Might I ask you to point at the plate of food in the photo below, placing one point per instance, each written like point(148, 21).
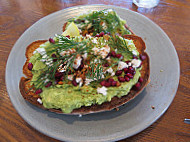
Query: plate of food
point(92, 73)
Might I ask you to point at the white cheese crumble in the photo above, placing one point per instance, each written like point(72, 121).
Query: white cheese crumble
point(108, 59)
point(39, 101)
point(96, 50)
point(110, 70)
point(95, 41)
point(102, 90)
point(136, 63)
point(104, 51)
point(134, 52)
point(42, 51)
point(70, 77)
point(85, 56)
point(79, 80)
point(87, 81)
point(122, 65)
point(77, 62)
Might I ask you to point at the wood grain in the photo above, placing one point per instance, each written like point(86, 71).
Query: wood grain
point(173, 16)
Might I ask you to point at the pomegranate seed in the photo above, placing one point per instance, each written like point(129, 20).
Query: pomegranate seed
point(114, 83)
point(74, 82)
point(68, 36)
point(121, 79)
point(38, 91)
point(109, 54)
point(62, 78)
point(119, 72)
point(127, 62)
point(140, 79)
point(110, 80)
point(106, 65)
point(48, 84)
point(97, 35)
point(137, 86)
point(58, 74)
point(101, 34)
point(131, 68)
point(129, 75)
point(133, 72)
point(51, 40)
point(81, 66)
point(113, 53)
point(126, 78)
point(108, 84)
point(126, 70)
point(142, 57)
point(103, 83)
point(30, 66)
point(54, 56)
point(118, 55)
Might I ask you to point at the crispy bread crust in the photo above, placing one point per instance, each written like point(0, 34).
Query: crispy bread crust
point(114, 103)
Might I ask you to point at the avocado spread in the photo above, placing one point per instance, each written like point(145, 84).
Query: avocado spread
point(74, 71)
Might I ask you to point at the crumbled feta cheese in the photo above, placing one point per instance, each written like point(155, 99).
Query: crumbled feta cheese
point(96, 50)
point(129, 64)
point(95, 40)
point(39, 101)
point(121, 65)
point(104, 51)
point(97, 61)
point(116, 50)
point(63, 53)
point(136, 63)
point(102, 90)
point(110, 70)
point(80, 83)
point(134, 52)
point(87, 81)
point(78, 79)
point(77, 62)
point(70, 77)
point(46, 80)
point(42, 51)
point(88, 36)
point(108, 59)
point(85, 56)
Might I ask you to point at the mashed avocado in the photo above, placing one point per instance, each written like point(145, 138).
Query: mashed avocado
point(68, 97)
point(69, 69)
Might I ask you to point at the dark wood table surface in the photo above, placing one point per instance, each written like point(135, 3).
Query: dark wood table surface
point(173, 16)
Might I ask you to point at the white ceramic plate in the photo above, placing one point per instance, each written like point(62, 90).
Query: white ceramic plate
point(132, 118)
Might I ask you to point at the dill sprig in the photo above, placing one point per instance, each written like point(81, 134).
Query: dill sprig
point(119, 43)
point(61, 44)
point(95, 71)
point(112, 22)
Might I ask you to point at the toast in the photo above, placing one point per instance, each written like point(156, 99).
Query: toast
point(115, 102)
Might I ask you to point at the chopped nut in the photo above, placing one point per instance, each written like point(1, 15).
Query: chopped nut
point(118, 84)
point(60, 82)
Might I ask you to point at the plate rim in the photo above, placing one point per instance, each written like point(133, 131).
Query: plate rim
point(92, 5)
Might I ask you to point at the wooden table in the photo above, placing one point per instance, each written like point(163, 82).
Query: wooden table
point(173, 16)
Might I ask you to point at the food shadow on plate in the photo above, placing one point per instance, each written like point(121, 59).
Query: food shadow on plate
point(70, 119)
